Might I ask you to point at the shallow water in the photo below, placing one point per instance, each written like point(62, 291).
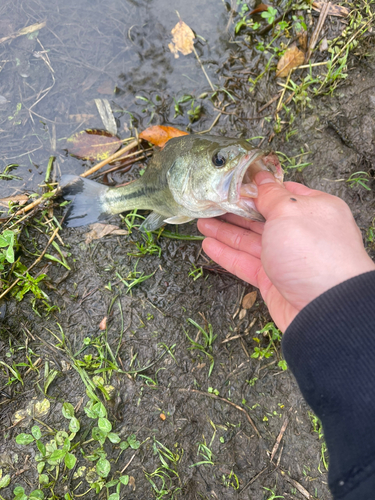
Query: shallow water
point(87, 50)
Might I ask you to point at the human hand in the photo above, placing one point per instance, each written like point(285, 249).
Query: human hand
point(308, 244)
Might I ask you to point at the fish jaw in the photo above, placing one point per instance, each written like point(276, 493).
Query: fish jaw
point(242, 186)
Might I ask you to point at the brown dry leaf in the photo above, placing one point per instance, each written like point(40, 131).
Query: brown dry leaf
point(99, 230)
point(182, 40)
point(261, 8)
point(93, 144)
point(18, 199)
point(159, 135)
point(132, 482)
point(292, 58)
point(106, 87)
point(103, 323)
point(242, 314)
point(249, 300)
point(334, 10)
point(302, 39)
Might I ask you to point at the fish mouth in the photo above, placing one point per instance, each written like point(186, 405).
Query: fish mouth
point(242, 186)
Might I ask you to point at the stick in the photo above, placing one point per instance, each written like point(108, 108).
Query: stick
point(318, 29)
point(279, 438)
point(213, 396)
point(97, 167)
point(204, 71)
point(254, 479)
point(119, 153)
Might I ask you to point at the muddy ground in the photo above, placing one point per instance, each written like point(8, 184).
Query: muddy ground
point(167, 395)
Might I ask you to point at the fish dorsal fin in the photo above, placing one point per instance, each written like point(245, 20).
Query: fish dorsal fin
point(178, 219)
point(153, 222)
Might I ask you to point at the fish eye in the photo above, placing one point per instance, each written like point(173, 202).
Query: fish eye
point(219, 160)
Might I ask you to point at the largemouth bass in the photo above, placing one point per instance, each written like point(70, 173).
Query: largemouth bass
point(193, 176)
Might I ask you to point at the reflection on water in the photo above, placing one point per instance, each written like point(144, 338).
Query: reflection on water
point(89, 49)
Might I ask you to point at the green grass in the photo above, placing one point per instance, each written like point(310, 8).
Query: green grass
point(205, 346)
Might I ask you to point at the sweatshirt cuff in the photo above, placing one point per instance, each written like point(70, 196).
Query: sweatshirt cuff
point(330, 348)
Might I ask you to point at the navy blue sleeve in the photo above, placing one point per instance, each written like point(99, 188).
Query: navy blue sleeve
point(330, 349)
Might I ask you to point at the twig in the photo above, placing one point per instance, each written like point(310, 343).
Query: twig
point(318, 29)
point(269, 103)
point(253, 480)
point(204, 71)
point(212, 126)
point(282, 94)
point(279, 438)
point(213, 396)
point(97, 167)
point(127, 465)
point(296, 484)
point(116, 155)
point(32, 265)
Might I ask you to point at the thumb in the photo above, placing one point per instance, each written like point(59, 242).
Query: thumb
point(271, 193)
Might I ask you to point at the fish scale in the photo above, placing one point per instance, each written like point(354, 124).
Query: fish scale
point(194, 176)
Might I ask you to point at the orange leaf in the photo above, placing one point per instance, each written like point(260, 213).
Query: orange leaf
point(334, 10)
point(93, 144)
point(159, 135)
point(292, 58)
point(261, 8)
point(103, 323)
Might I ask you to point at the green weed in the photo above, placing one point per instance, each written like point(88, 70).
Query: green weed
point(196, 272)
point(230, 480)
point(270, 15)
point(134, 278)
point(163, 479)
point(273, 335)
point(205, 347)
point(273, 493)
point(61, 450)
point(318, 428)
point(359, 179)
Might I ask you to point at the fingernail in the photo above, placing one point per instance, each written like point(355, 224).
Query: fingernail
point(264, 178)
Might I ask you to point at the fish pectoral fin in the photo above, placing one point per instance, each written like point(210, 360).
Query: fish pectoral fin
point(153, 222)
point(178, 219)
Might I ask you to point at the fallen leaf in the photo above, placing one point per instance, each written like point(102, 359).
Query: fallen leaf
point(249, 300)
point(106, 87)
point(18, 199)
point(110, 390)
point(261, 8)
point(302, 39)
point(93, 144)
point(323, 45)
point(292, 58)
point(334, 10)
point(132, 482)
point(159, 135)
point(182, 40)
point(99, 230)
point(103, 323)
point(40, 408)
point(242, 314)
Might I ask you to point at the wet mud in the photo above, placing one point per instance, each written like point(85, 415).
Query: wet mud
point(248, 412)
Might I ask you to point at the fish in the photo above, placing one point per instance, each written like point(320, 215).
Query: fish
point(193, 176)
